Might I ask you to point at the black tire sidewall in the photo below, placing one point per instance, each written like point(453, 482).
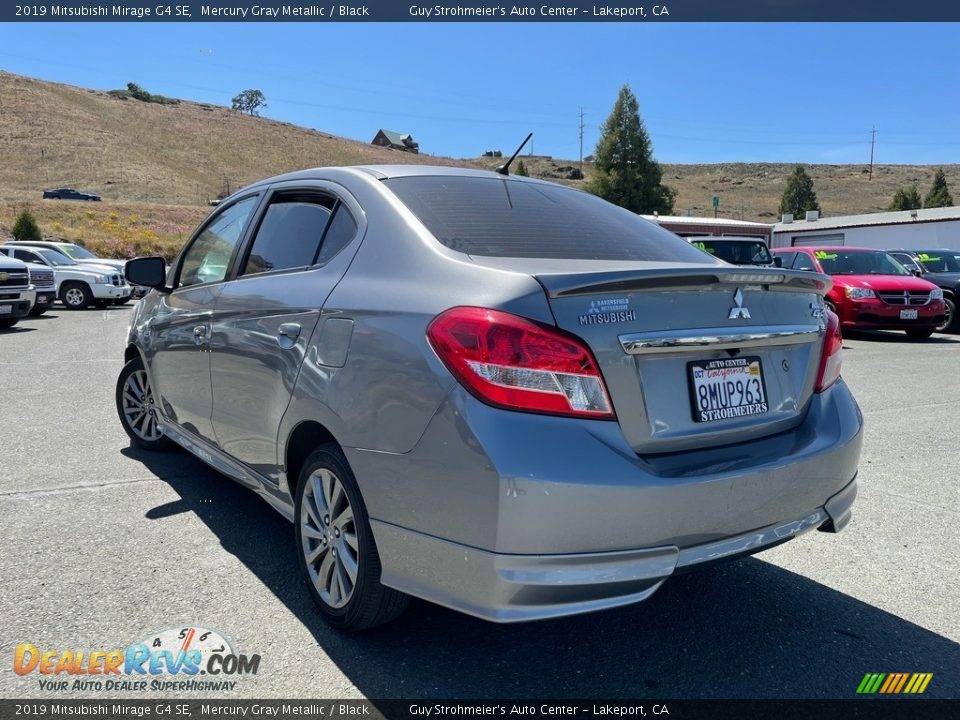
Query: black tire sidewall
point(87, 296)
point(163, 442)
point(331, 458)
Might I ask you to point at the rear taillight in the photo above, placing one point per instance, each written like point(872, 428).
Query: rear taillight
point(832, 354)
point(516, 363)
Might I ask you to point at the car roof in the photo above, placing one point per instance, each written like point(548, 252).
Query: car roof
point(387, 172)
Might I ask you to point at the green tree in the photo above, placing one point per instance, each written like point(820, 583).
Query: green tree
point(625, 172)
point(25, 227)
point(521, 170)
point(906, 198)
point(250, 101)
point(798, 196)
point(939, 195)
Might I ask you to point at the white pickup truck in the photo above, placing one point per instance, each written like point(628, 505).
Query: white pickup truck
point(17, 295)
point(77, 286)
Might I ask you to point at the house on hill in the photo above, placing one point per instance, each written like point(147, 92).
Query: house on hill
point(395, 140)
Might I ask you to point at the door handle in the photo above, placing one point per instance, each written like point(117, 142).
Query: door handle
point(287, 335)
point(199, 334)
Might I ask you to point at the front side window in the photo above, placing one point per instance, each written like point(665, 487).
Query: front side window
point(289, 235)
point(208, 257)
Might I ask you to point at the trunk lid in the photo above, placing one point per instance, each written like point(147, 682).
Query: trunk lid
point(654, 326)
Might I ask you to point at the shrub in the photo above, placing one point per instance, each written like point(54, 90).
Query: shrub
point(25, 227)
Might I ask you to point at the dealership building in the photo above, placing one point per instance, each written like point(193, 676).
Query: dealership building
point(927, 228)
point(694, 227)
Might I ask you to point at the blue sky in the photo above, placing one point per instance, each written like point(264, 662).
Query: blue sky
point(707, 92)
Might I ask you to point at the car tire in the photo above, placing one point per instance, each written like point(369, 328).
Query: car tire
point(335, 547)
point(75, 295)
point(8, 323)
point(949, 323)
point(137, 409)
point(919, 333)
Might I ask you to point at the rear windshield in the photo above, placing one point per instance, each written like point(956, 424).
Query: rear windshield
point(496, 217)
point(858, 262)
point(738, 252)
point(939, 261)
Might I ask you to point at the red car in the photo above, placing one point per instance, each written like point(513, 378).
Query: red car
point(871, 290)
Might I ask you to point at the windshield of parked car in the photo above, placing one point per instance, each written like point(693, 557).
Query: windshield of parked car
point(55, 258)
point(936, 261)
point(858, 262)
point(496, 217)
point(738, 252)
point(77, 252)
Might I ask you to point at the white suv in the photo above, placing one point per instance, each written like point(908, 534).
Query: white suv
point(77, 286)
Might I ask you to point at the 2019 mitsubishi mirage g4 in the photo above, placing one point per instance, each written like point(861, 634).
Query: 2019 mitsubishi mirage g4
point(502, 395)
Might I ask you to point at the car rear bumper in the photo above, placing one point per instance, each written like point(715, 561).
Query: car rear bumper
point(515, 588)
point(509, 498)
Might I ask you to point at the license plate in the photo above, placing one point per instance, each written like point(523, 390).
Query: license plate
point(908, 314)
point(42, 300)
point(727, 388)
point(6, 309)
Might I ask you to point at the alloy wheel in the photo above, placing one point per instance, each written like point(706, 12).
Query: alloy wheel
point(74, 296)
point(138, 407)
point(328, 535)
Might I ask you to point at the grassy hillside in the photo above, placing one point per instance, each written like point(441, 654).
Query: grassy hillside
point(157, 166)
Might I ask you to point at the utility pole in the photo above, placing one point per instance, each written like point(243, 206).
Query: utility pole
point(873, 138)
point(581, 143)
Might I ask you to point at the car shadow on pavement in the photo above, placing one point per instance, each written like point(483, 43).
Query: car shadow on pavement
point(746, 628)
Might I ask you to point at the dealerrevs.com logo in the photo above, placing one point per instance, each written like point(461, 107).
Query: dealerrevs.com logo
point(187, 658)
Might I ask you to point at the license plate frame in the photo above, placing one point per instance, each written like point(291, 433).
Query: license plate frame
point(909, 314)
point(6, 309)
point(740, 369)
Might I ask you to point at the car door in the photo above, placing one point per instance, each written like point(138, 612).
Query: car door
point(266, 315)
point(178, 354)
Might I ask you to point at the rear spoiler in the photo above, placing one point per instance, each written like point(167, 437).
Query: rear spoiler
point(560, 285)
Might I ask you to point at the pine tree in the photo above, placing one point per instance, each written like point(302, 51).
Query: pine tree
point(939, 195)
point(798, 195)
point(25, 228)
point(906, 198)
point(625, 172)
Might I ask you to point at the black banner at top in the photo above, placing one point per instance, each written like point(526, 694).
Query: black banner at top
point(819, 11)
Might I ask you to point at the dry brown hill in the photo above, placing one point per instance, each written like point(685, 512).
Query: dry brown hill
point(186, 154)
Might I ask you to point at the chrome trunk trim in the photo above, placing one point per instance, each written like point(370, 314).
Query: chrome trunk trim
point(718, 338)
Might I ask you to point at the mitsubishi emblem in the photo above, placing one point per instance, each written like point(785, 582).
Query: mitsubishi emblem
point(738, 310)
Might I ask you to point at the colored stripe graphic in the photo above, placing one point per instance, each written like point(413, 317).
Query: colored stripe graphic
point(894, 683)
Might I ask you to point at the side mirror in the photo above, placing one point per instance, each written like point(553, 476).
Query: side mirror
point(147, 271)
point(777, 261)
point(916, 272)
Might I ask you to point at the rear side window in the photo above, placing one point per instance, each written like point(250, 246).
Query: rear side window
point(496, 217)
point(341, 231)
point(288, 236)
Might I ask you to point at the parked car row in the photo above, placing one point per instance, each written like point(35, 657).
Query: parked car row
point(34, 275)
point(910, 290)
point(872, 290)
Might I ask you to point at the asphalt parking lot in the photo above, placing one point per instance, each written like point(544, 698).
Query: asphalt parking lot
point(103, 545)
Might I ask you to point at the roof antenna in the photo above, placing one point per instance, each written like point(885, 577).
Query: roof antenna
point(505, 168)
